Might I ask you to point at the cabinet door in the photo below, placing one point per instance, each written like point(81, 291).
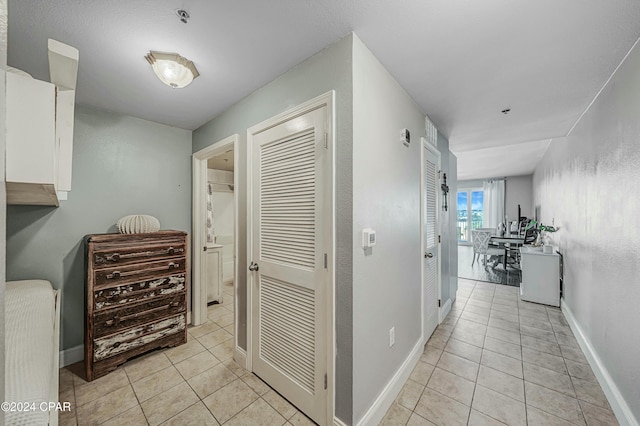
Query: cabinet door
point(213, 277)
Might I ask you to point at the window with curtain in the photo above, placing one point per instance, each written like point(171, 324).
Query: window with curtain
point(470, 213)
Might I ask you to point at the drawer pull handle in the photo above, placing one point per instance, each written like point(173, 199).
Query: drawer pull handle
point(109, 323)
point(116, 344)
point(173, 265)
point(114, 274)
point(170, 250)
point(173, 304)
point(114, 257)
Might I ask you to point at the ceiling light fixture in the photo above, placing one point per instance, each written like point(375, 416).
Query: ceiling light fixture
point(506, 111)
point(172, 69)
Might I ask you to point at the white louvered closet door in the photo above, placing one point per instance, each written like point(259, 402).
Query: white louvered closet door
point(431, 231)
point(289, 214)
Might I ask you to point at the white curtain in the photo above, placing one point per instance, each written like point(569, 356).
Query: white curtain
point(493, 214)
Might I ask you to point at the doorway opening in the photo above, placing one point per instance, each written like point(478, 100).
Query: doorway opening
point(214, 239)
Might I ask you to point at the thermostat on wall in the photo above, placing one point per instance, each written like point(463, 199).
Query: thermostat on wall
point(405, 137)
point(368, 238)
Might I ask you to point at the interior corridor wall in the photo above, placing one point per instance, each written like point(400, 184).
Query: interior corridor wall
point(329, 69)
point(587, 183)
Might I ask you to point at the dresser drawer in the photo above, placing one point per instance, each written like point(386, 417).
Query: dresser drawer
point(138, 292)
point(108, 346)
point(136, 272)
point(112, 320)
point(108, 256)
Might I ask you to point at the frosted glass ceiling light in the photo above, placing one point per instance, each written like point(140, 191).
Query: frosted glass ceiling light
point(172, 69)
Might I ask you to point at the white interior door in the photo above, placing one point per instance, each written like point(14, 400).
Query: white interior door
point(431, 236)
point(290, 214)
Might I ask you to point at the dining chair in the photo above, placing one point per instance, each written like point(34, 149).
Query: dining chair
point(480, 240)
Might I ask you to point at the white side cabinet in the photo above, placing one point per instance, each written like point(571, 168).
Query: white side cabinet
point(540, 276)
point(214, 273)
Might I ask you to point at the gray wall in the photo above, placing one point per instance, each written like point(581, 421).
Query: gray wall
point(387, 287)
point(518, 190)
point(589, 183)
point(121, 165)
point(3, 195)
point(330, 69)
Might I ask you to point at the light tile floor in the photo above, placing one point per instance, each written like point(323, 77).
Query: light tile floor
point(197, 383)
point(498, 360)
point(494, 360)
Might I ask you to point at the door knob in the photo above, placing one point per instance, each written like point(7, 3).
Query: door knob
point(253, 267)
point(428, 255)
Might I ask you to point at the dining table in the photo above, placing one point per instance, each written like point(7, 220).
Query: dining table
point(508, 242)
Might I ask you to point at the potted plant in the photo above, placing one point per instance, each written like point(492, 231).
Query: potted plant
point(542, 237)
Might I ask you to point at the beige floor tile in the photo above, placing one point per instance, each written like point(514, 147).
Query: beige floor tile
point(231, 329)
point(549, 336)
point(259, 413)
point(512, 310)
point(215, 338)
point(557, 318)
point(410, 394)
point(225, 320)
point(536, 323)
point(421, 373)
point(499, 407)
point(502, 363)
point(481, 303)
point(132, 417)
point(580, 370)
point(223, 351)
point(67, 395)
point(567, 340)
point(503, 348)
point(597, 416)
point(255, 383)
point(90, 391)
point(197, 414)
point(477, 310)
point(156, 383)
point(452, 386)
point(504, 325)
point(67, 418)
point(464, 350)
point(416, 420)
point(234, 367)
point(299, 419)
point(590, 391)
point(536, 417)
point(476, 418)
point(65, 379)
point(437, 341)
point(504, 335)
point(574, 354)
point(441, 409)
point(549, 379)
point(280, 404)
point(504, 302)
point(203, 329)
point(553, 402)
point(431, 355)
point(459, 366)
point(468, 336)
point(472, 316)
point(229, 400)
point(168, 403)
point(541, 345)
point(497, 314)
point(397, 415)
point(197, 364)
point(182, 352)
point(107, 406)
point(450, 320)
point(138, 368)
point(204, 384)
point(500, 382)
point(543, 359)
point(527, 313)
point(472, 326)
point(559, 328)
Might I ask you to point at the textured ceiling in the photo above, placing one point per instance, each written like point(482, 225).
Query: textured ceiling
point(462, 61)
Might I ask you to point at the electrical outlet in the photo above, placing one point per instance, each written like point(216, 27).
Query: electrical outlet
point(392, 336)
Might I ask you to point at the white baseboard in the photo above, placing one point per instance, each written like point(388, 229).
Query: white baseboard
point(240, 356)
point(616, 400)
point(379, 408)
point(71, 355)
point(444, 311)
point(338, 422)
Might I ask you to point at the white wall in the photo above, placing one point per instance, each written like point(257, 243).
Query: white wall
point(589, 183)
point(386, 197)
point(518, 190)
point(3, 198)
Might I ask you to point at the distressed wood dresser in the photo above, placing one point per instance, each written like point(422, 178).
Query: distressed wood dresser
point(135, 296)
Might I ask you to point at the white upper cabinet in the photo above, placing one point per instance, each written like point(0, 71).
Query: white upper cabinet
point(39, 144)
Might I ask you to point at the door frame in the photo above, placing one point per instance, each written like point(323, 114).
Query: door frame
point(424, 144)
point(198, 213)
point(325, 100)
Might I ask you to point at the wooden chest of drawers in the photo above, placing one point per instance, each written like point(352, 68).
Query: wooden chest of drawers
point(135, 296)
